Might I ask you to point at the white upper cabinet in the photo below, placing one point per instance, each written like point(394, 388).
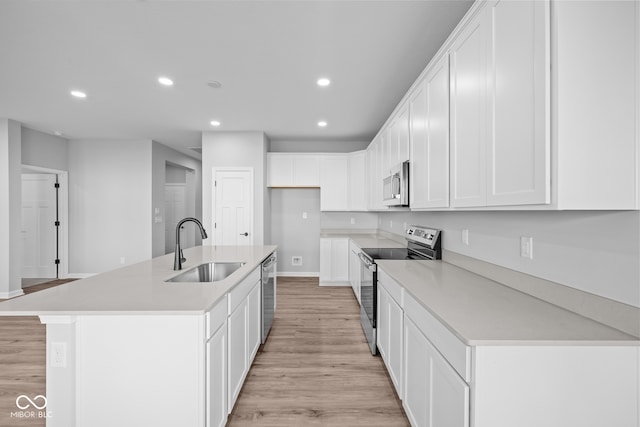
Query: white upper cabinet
point(518, 140)
point(334, 179)
point(469, 115)
point(596, 106)
point(293, 170)
point(500, 141)
point(357, 198)
point(429, 132)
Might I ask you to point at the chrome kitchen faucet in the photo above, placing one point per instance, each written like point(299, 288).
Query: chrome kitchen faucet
point(179, 258)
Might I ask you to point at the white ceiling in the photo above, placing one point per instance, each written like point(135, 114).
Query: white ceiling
point(267, 55)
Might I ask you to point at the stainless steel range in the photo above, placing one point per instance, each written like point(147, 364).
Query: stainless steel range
point(422, 244)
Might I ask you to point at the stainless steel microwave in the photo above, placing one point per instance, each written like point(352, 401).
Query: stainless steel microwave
point(395, 187)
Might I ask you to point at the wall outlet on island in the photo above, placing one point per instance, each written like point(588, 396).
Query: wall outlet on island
point(296, 260)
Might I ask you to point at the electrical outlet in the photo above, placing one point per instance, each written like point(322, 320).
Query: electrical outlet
point(58, 355)
point(390, 223)
point(526, 247)
point(122, 260)
point(296, 260)
point(465, 236)
point(404, 225)
point(304, 215)
point(353, 221)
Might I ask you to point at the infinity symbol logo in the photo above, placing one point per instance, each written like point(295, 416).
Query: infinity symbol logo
point(30, 402)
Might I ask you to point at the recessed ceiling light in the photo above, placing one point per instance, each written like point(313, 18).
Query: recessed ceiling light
point(322, 123)
point(323, 82)
point(78, 94)
point(215, 123)
point(165, 81)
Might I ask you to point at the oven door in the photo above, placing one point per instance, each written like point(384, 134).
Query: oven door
point(368, 299)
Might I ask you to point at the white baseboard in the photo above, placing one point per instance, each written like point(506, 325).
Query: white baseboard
point(78, 275)
point(344, 284)
point(12, 294)
point(298, 273)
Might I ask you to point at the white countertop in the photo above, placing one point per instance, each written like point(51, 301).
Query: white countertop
point(141, 288)
point(365, 238)
point(480, 311)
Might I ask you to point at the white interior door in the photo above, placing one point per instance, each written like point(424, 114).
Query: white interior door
point(176, 208)
point(38, 226)
point(233, 206)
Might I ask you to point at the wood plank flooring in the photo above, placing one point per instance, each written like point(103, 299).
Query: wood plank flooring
point(22, 361)
point(316, 368)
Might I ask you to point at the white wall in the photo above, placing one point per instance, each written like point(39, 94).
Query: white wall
point(109, 204)
point(295, 235)
point(236, 149)
point(342, 220)
point(596, 252)
point(44, 150)
point(161, 154)
point(10, 209)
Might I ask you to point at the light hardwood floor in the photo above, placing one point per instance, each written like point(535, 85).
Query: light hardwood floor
point(316, 368)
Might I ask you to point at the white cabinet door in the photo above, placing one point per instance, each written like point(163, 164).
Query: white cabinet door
point(254, 311)
point(306, 170)
point(354, 270)
point(216, 349)
point(390, 336)
point(334, 261)
point(468, 56)
point(334, 178)
point(238, 350)
point(500, 137)
point(357, 198)
point(434, 394)
point(371, 175)
point(402, 135)
point(340, 260)
point(280, 168)
point(518, 141)
point(429, 125)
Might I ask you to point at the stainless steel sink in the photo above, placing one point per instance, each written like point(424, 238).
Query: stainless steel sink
point(208, 272)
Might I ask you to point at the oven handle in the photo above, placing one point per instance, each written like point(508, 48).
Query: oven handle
point(371, 266)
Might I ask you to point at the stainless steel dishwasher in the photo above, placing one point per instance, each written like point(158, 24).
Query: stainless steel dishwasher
point(268, 291)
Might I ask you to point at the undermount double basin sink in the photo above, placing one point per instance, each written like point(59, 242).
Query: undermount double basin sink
point(208, 272)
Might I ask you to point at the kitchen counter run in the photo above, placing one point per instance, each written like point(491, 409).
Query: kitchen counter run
point(140, 288)
point(480, 311)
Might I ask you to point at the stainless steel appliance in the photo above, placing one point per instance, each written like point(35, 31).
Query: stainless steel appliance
point(268, 291)
point(422, 244)
point(395, 187)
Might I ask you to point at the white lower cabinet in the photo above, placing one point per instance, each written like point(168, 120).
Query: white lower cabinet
point(243, 327)
point(216, 349)
point(434, 394)
point(334, 261)
point(390, 332)
point(354, 269)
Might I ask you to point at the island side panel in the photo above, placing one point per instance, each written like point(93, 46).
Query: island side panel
point(130, 370)
point(556, 386)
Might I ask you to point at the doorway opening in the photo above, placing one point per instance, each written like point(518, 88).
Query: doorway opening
point(44, 204)
point(179, 203)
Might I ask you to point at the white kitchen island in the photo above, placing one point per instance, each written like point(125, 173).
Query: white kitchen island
point(126, 348)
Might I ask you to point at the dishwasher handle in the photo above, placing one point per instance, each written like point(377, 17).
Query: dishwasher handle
point(269, 262)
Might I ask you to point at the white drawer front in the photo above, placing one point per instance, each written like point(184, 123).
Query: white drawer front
point(240, 292)
point(391, 286)
point(454, 351)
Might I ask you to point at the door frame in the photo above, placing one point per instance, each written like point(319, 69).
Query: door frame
point(214, 172)
point(63, 214)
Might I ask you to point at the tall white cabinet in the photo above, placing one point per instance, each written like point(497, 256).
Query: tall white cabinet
point(429, 132)
point(500, 131)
